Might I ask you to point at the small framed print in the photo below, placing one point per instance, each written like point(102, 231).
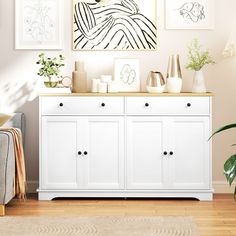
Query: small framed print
point(189, 14)
point(126, 74)
point(38, 24)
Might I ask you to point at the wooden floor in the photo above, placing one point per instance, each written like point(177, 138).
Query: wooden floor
point(215, 218)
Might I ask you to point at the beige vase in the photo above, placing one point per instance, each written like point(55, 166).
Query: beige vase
point(79, 78)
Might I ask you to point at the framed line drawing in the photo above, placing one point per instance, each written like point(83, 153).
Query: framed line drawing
point(38, 24)
point(126, 74)
point(190, 14)
point(114, 25)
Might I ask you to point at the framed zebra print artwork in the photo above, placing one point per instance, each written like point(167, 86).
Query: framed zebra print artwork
point(38, 24)
point(114, 25)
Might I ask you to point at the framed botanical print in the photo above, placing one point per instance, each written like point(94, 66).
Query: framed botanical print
point(189, 14)
point(38, 24)
point(114, 25)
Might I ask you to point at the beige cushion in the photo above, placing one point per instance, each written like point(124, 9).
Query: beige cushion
point(4, 118)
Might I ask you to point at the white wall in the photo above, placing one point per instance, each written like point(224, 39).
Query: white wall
point(18, 73)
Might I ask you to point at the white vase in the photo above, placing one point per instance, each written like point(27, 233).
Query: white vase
point(174, 85)
point(199, 82)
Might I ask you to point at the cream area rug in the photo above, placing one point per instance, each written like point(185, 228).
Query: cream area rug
point(98, 226)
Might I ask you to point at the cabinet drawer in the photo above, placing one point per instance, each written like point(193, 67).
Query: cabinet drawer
point(82, 105)
point(168, 105)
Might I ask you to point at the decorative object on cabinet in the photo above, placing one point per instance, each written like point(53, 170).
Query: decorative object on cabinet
point(198, 82)
point(126, 75)
point(230, 164)
point(79, 78)
point(119, 25)
point(94, 85)
point(125, 146)
point(174, 75)
point(50, 69)
point(102, 87)
point(197, 60)
point(155, 82)
point(185, 14)
point(63, 87)
point(66, 82)
point(103, 84)
point(38, 24)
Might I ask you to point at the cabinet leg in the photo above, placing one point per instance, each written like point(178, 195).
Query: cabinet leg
point(2, 210)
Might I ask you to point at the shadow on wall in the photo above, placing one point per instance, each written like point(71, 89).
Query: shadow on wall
point(15, 94)
point(30, 109)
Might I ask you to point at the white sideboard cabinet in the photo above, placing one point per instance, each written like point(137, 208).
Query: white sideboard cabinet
point(125, 145)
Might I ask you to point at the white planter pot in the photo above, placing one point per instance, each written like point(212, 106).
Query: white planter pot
point(174, 85)
point(199, 82)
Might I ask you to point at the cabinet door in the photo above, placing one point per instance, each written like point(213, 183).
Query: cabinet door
point(190, 162)
point(145, 148)
point(59, 153)
point(103, 166)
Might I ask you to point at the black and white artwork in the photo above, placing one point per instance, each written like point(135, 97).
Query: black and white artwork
point(114, 25)
point(189, 14)
point(192, 11)
point(126, 74)
point(38, 24)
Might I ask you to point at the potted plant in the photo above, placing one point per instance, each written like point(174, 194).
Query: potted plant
point(50, 69)
point(197, 60)
point(230, 164)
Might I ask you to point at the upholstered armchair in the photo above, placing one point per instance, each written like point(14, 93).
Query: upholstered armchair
point(7, 160)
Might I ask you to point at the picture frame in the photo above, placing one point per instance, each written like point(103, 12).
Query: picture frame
point(127, 74)
point(38, 24)
point(190, 14)
point(109, 25)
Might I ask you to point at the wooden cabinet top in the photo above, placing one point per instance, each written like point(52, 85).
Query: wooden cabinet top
point(184, 94)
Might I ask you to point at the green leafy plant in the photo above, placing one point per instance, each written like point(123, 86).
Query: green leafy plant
point(230, 164)
point(198, 58)
point(50, 66)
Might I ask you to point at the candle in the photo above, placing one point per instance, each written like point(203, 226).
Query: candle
point(102, 87)
point(94, 87)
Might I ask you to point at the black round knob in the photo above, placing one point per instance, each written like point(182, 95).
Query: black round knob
point(103, 104)
point(85, 153)
point(61, 104)
point(188, 104)
point(171, 153)
point(165, 153)
point(146, 104)
point(79, 153)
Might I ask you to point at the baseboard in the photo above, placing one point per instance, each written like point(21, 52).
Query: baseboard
point(219, 187)
point(223, 187)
